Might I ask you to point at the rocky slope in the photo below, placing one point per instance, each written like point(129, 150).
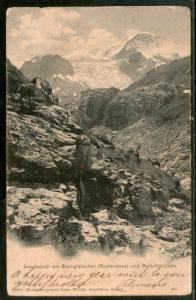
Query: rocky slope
point(144, 52)
point(154, 111)
point(71, 189)
point(58, 71)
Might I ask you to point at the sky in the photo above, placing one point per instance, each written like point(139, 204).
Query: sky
point(33, 31)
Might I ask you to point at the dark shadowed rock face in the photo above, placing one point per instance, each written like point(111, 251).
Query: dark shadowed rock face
point(136, 65)
point(94, 105)
point(159, 95)
point(14, 77)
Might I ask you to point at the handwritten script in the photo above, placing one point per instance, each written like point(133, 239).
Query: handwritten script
point(122, 281)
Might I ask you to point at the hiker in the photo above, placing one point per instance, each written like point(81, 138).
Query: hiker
point(104, 244)
point(69, 116)
point(155, 162)
point(130, 153)
point(107, 141)
point(36, 82)
point(119, 189)
point(138, 147)
point(99, 154)
point(47, 90)
point(83, 155)
point(176, 181)
point(83, 161)
point(137, 154)
point(128, 193)
point(55, 99)
point(121, 206)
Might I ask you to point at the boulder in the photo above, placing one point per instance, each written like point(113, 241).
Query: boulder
point(186, 183)
point(91, 237)
point(62, 138)
point(75, 236)
point(61, 163)
point(27, 211)
point(179, 203)
point(63, 187)
point(28, 233)
point(30, 209)
point(157, 211)
point(75, 128)
point(105, 216)
point(168, 234)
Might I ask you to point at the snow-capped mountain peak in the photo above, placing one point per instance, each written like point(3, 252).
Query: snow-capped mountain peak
point(148, 44)
point(143, 52)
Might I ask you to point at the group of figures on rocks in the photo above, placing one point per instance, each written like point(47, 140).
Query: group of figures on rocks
point(37, 88)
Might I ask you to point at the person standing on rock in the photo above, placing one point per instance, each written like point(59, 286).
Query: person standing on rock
point(137, 152)
point(176, 182)
point(128, 191)
point(37, 82)
point(69, 116)
point(47, 90)
point(83, 154)
point(83, 162)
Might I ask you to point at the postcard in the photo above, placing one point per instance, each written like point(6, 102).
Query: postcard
point(98, 151)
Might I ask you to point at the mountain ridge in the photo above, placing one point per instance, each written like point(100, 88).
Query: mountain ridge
point(147, 111)
point(43, 66)
point(58, 71)
point(128, 60)
point(143, 52)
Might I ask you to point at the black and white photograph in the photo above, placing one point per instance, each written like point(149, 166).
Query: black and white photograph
point(98, 105)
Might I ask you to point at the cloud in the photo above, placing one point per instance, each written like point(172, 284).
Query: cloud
point(50, 31)
point(67, 31)
point(97, 42)
point(100, 33)
point(47, 26)
point(47, 31)
point(60, 14)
